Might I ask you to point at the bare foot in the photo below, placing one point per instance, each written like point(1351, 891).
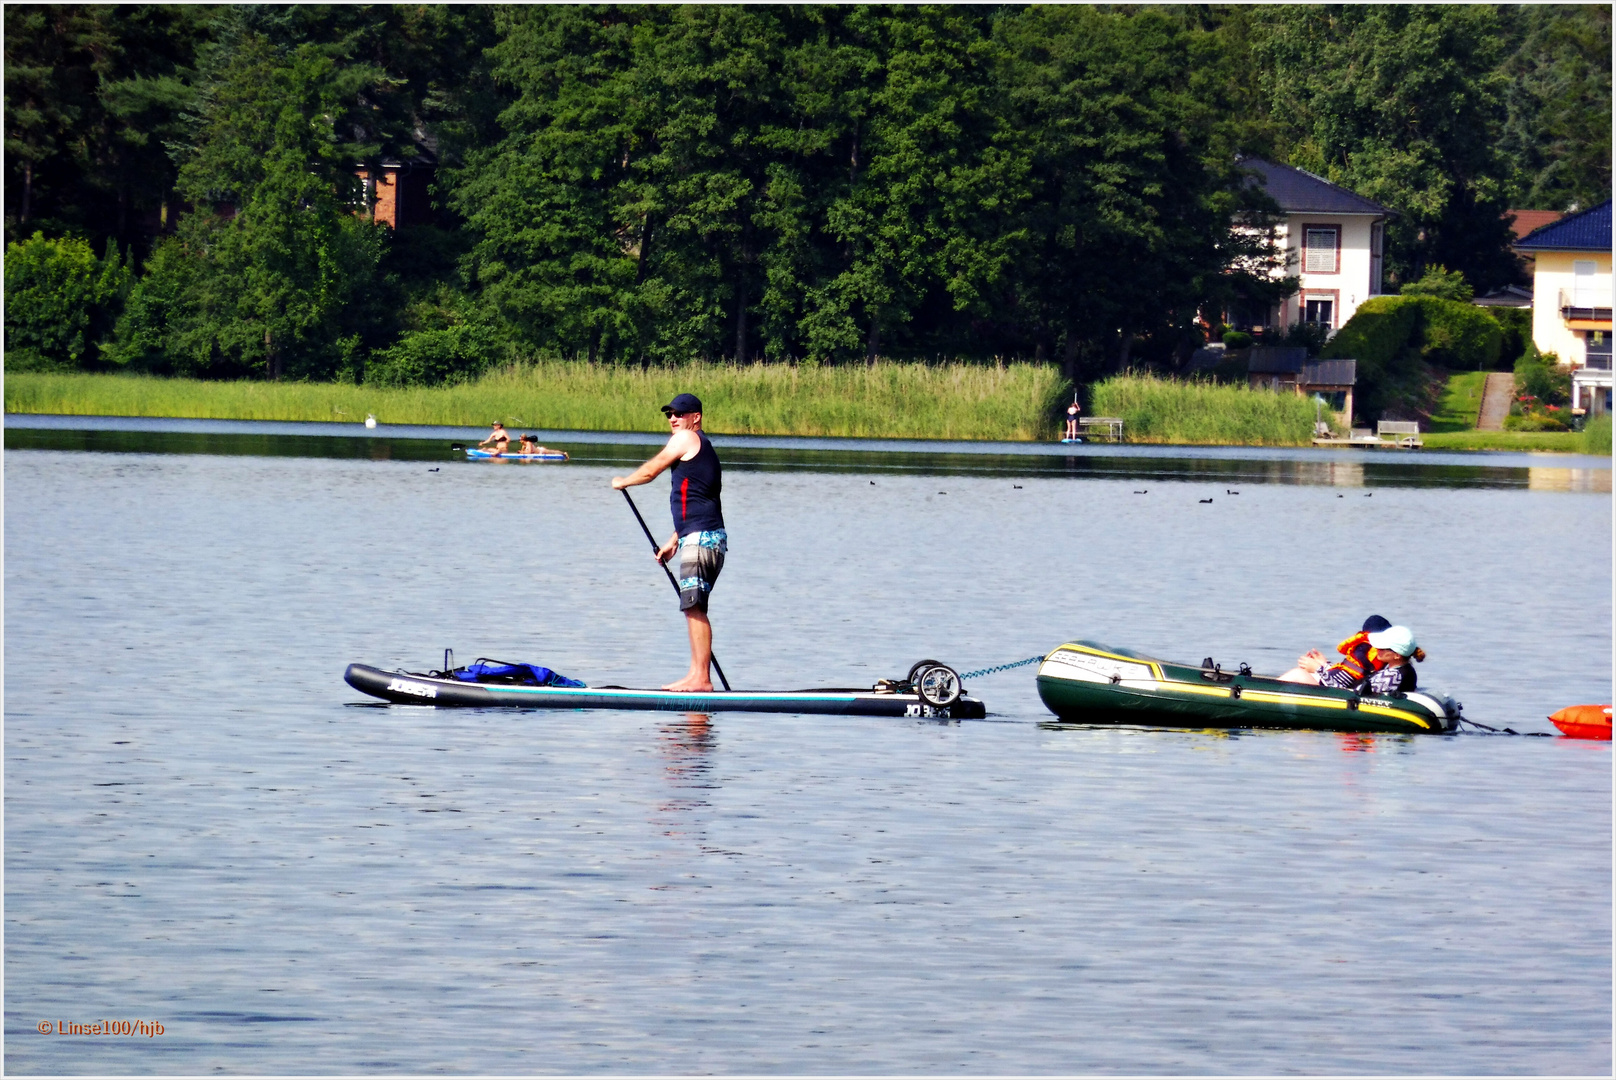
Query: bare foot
point(687, 685)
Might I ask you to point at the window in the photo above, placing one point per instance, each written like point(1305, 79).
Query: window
point(1320, 252)
point(1583, 293)
point(1377, 262)
point(1598, 348)
point(1319, 311)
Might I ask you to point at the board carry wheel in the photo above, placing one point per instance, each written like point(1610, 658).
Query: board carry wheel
point(938, 686)
point(918, 668)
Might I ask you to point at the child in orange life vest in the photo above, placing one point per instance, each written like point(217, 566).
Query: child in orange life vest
point(1358, 661)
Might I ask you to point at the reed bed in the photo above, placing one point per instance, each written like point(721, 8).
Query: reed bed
point(1596, 436)
point(887, 400)
point(1202, 413)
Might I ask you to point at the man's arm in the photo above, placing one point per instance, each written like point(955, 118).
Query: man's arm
point(678, 446)
point(665, 552)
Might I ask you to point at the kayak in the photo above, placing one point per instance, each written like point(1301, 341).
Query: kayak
point(1583, 721)
point(1085, 683)
point(413, 688)
point(494, 455)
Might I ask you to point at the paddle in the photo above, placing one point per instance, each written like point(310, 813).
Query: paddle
point(671, 579)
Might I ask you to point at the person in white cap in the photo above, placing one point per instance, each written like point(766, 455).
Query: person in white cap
point(1393, 648)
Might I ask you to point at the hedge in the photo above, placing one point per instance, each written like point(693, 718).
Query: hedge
point(1390, 335)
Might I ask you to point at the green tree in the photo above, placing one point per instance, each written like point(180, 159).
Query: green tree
point(275, 273)
point(926, 223)
point(93, 93)
point(60, 302)
point(1557, 137)
point(1134, 180)
point(1404, 104)
point(711, 181)
point(1439, 282)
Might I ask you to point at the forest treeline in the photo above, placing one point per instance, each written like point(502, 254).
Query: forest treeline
point(746, 183)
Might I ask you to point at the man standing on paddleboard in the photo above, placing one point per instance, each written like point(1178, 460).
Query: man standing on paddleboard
point(698, 521)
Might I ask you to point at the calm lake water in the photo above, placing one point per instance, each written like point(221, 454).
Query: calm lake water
point(206, 828)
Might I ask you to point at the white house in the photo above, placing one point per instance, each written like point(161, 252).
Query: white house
point(1332, 239)
point(1571, 300)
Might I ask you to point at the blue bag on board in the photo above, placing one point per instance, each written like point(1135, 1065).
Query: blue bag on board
point(497, 671)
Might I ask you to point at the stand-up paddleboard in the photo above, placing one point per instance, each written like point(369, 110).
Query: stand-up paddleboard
point(939, 683)
point(494, 455)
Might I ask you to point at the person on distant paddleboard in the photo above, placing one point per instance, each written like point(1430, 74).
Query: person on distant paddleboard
point(699, 538)
point(1071, 418)
point(530, 445)
point(497, 439)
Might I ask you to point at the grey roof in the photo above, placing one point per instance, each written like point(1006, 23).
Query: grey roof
point(1298, 191)
point(1587, 231)
point(1276, 360)
point(1206, 358)
point(1506, 296)
point(1329, 373)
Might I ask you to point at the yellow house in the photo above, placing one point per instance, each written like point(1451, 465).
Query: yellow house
point(1571, 300)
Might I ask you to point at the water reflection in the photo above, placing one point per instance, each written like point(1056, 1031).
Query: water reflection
point(1550, 479)
point(1162, 464)
point(1345, 474)
point(686, 745)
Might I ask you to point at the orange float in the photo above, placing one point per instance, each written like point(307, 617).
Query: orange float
point(1583, 721)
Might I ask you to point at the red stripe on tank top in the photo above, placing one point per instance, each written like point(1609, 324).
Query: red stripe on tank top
point(684, 500)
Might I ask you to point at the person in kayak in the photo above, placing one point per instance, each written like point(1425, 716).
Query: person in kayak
point(699, 537)
point(1356, 665)
point(497, 439)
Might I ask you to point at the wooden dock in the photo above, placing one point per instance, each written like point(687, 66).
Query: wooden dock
point(1388, 435)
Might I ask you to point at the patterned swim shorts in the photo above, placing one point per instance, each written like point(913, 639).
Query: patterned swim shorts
point(1338, 677)
point(701, 557)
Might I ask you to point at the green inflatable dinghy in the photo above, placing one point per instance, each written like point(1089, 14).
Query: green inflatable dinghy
point(1085, 683)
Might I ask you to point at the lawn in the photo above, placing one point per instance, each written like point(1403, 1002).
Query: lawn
point(1595, 440)
point(1459, 407)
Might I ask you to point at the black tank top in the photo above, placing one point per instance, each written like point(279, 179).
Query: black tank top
point(697, 484)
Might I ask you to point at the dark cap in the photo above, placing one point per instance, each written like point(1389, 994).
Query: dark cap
point(1375, 624)
point(683, 403)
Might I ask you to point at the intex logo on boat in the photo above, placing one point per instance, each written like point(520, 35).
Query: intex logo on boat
point(399, 686)
point(1096, 667)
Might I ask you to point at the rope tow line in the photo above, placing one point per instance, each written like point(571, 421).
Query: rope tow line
point(1505, 731)
point(1001, 667)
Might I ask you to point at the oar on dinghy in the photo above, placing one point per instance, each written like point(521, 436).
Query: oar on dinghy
point(671, 579)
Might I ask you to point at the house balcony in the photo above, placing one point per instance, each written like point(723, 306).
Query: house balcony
point(1578, 309)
